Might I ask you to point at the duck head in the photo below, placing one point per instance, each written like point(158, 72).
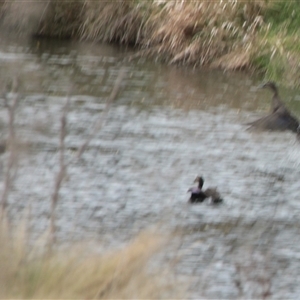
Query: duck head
point(200, 181)
point(269, 85)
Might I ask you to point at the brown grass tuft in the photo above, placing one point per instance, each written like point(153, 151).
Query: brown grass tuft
point(223, 34)
point(199, 32)
point(234, 60)
point(111, 21)
point(189, 32)
point(77, 273)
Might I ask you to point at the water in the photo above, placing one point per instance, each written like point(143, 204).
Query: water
point(168, 125)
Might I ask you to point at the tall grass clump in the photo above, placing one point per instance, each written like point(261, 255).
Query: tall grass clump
point(208, 32)
point(122, 22)
point(76, 273)
point(256, 35)
point(61, 19)
point(189, 32)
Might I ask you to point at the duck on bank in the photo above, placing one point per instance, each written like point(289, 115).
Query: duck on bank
point(198, 195)
point(279, 118)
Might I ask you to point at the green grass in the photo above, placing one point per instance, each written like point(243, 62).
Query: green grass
point(283, 15)
point(277, 52)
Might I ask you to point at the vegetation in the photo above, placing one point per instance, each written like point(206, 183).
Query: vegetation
point(62, 19)
point(279, 54)
point(256, 35)
point(75, 273)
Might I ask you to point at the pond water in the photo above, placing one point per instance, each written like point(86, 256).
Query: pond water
point(167, 125)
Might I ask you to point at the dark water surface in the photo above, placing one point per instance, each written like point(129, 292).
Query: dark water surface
point(167, 125)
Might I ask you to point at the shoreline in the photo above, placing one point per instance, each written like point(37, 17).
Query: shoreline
point(258, 37)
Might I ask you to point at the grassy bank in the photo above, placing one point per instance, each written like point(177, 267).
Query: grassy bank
point(255, 35)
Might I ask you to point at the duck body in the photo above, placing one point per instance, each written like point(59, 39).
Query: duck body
point(198, 195)
point(276, 101)
point(279, 118)
point(214, 195)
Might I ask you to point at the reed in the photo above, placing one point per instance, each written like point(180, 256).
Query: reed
point(78, 272)
point(61, 19)
point(188, 32)
point(254, 35)
point(109, 21)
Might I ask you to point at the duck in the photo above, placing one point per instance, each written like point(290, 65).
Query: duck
point(198, 195)
point(276, 100)
point(279, 118)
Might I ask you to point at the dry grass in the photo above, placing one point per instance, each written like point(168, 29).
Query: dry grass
point(111, 21)
point(201, 32)
point(256, 35)
point(76, 273)
point(221, 34)
point(61, 19)
point(189, 32)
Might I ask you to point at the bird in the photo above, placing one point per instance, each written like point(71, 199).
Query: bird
point(276, 101)
point(279, 118)
point(214, 195)
point(198, 195)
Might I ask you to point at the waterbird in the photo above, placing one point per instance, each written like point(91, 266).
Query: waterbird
point(198, 195)
point(279, 118)
point(276, 101)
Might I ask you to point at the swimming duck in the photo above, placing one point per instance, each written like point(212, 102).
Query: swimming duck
point(214, 195)
point(279, 118)
point(198, 195)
